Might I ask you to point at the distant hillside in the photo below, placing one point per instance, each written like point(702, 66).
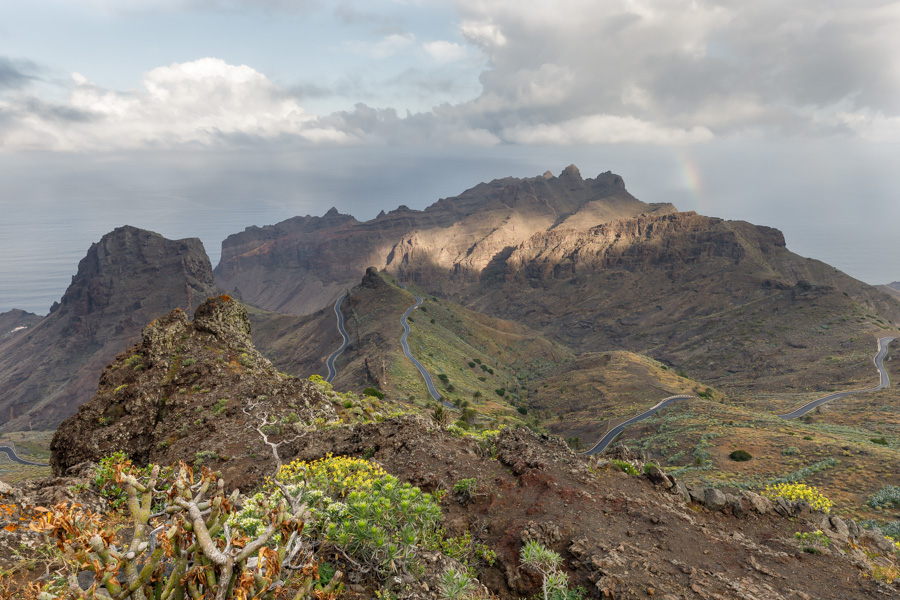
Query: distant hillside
point(472, 358)
point(126, 279)
point(15, 321)
point(891, 288)
point(724, 300)
point(302, 264)
point(585, 263)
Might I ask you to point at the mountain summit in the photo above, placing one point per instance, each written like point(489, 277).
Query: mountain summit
point(125, 279)
point(301, 264)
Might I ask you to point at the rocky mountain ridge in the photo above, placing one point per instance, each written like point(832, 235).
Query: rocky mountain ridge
point(300, 265)
point(125, 279)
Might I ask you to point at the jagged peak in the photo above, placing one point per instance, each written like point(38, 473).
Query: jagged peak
point(572, 172)
point(332, 212)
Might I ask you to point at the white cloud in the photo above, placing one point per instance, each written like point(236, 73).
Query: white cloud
point(686, 65)
point(604, 129)
point(444, 52)
point(206, 102)
point(486, 35)
point(384, 48)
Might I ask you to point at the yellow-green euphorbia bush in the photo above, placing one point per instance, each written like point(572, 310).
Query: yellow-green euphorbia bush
point(799, 491)
point(356, 506)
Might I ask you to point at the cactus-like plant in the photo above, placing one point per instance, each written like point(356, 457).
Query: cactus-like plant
point(182, 545)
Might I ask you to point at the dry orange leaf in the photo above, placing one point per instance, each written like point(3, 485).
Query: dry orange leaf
point(11, 527)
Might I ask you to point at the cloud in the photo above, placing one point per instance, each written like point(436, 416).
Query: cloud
point(205, 102)
point(568, 72)
point(388, 46)
point(15, 74)
point(604, 129)
point(726, 68)
point(483, 34)
point(444, 52)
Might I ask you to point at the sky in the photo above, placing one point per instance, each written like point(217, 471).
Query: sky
point(202, 117)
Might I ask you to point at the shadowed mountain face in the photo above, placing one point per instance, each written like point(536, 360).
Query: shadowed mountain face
point(300, 265)
point(126, 279)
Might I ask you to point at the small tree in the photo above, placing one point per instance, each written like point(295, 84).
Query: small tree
point(539, 558)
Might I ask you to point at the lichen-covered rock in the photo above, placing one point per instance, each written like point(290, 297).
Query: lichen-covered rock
point(224, 317)
point(759, 503)
point(714, 500)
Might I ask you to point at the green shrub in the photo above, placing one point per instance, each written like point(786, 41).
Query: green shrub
point(522, 410)
point(624, 465)
point(790, 451)
point(500, 392)
point(880, 441)
point(813, 541)
point(105, 478)
point(888, 496)
point(443, 377)
point(740, 455)
point(465, 489)
point(456, 585)
point(205, 456)
point(471, 365)
point(356, 506)
point(374, 392)
point(547, 563)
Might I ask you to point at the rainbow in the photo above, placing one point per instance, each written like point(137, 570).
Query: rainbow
point(690, 176)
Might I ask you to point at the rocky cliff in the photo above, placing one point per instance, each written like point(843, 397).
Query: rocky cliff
point(725, 299)
point(302, 264)
point(125, 279)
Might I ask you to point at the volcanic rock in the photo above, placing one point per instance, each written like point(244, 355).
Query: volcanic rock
point(126, 279)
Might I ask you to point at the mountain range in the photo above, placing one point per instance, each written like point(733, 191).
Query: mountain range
point(578, 263)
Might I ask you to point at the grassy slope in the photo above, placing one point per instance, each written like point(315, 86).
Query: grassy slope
point(575, 399)
point(698, 436)
point(30, 445)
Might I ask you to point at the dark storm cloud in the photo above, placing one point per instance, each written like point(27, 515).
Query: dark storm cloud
point(16, 74)
point(57, 112)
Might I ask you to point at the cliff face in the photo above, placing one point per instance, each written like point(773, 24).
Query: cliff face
point(302, 264)
point(125, 279)
point(726, 300)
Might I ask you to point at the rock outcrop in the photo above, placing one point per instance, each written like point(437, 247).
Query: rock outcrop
point(195, 392)
point(126, 279)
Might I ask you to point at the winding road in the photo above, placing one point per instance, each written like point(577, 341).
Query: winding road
point(607, 439)
point(11, 453)
point(428, 381)
point(883, 382)
point(332, 372)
